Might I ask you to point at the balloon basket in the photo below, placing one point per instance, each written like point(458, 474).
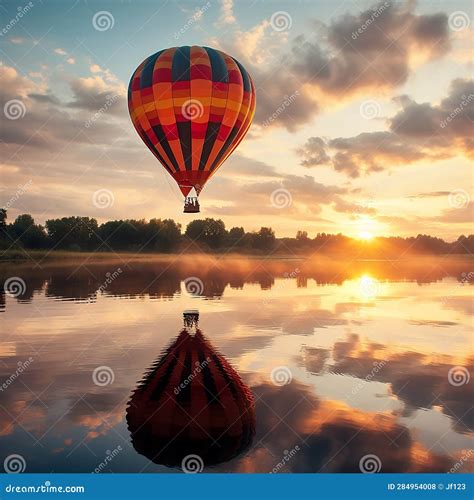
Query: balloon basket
point(191, 320)
point(191, 205)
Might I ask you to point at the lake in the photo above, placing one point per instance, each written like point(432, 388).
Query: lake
point(279, 365)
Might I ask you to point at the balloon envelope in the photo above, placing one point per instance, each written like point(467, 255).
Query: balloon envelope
point(191, 106)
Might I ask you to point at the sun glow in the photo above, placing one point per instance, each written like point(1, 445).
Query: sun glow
point(365, 235)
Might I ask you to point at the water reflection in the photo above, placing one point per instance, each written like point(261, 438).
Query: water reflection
point(191, 403)
point(161, 279)
point(370, 347)
point(329, 436)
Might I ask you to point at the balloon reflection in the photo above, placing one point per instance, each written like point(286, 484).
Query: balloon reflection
point(191, 402)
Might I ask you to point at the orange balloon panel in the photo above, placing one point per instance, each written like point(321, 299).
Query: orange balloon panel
point(191, 106)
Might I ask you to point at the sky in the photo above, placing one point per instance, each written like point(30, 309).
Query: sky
point(363, 125)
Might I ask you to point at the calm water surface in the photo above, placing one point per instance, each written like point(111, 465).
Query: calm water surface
point(294, 366)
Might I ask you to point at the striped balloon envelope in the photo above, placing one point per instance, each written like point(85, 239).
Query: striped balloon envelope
point(191, 405)
point(191, 106)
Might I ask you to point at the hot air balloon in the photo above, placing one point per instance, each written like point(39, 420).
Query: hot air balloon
point(191, 106)
point(191, 405)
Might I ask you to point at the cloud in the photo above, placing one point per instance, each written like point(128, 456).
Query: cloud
point(431, 194)
point(416, 132)
point(458, 215)
point(226, 16)
point(344, 206)
point(302, 195)
point(94, 92)
point(60, 51)
point(51, 127)
point(18, 40)
point(314, 152)
point(71, 60)
point(336, 61)
point(381, 56)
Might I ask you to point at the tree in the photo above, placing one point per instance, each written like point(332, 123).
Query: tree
point(3, 226)
point(168, 234)
point(73, 233)
point(3, 219)
point(236, 237)
point(28, 234)
point(302, 236)
point(211, 232)
point(264, 239)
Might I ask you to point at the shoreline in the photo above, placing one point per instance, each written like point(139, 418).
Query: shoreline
point(38, 256)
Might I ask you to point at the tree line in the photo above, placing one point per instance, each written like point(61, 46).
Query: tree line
point(156, 235)
point(165, 235)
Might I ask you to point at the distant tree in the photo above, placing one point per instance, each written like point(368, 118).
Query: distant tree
point(3, 219)
point(25, 232)
point(302, 236)
point(157, 235)
point(168, 234)
point(236, 237)
point(73, 233)
point(264, 239)
point(211, 232)
point(3, 228)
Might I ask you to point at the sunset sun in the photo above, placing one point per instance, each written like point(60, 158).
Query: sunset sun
point(365, 235)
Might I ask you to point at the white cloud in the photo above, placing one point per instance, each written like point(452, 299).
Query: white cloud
point(227, 13)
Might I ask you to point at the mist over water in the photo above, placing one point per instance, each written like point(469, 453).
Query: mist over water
point(342, 360)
